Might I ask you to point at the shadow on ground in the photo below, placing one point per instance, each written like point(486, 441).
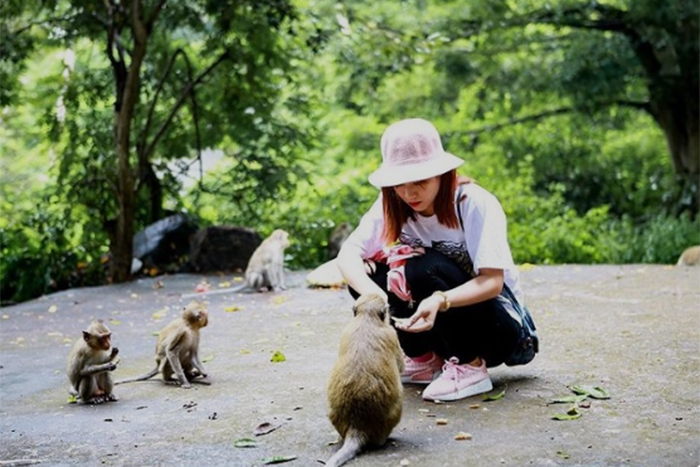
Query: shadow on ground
point(633, 330)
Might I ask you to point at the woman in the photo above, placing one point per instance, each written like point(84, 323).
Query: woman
point(437, 250)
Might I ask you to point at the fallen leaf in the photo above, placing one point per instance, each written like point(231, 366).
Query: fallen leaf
point(474, 406)
point(563, 454)
point(572, 414)
point(208, 358)
point(53, 309)
point(424, 410)
point(526, 267)
point(133, 295)
point(278, 357)
point(596, 392)
point(404, 462)
point(116, 322)
point(72, 399)
point(494, 397)
point(441, 421)
point(245, 443)
point(5, 316)
point(160, 314)
point(202, 287)
point(232, 308)
point(224, 284)
point(462, 436)
point(278, 459)
point(569, 399)
point(245, 351)
point(266, 427)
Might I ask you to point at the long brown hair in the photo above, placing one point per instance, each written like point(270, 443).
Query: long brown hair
point(397, 213)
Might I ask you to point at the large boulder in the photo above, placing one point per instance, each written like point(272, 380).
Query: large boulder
point(223, 248)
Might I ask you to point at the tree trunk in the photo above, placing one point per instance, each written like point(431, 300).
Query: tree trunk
point(126, 101)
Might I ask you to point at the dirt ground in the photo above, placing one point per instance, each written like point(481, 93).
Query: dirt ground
point(633, 330)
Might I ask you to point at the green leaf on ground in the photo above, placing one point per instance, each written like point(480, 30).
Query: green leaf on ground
point(494, 397)
point(569, 399)
point(278, 357)
point(572, 414)
point(245, 443)
point(595, 392)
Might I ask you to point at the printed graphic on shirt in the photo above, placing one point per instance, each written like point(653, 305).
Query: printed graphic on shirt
point(457, 252)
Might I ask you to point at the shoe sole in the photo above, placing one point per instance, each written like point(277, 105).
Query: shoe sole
point(478, 388)
point(409, 380)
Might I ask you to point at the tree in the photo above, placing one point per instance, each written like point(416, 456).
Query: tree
point(542, 59)
point(153, 83)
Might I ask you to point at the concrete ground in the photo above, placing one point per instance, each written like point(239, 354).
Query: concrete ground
point(633, 330)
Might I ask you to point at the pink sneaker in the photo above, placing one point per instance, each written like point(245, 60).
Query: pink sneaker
point(458, 381)
point(421, 372)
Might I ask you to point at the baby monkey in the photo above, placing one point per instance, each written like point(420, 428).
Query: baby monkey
point(89, 365)
point(177, 349)
point(364, 389)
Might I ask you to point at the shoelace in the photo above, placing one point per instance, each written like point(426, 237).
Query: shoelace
point(452, 370)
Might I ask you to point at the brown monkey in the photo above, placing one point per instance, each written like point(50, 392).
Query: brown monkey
point(690, 256)
point(364, 389)
point(177, 349)
point(89, 365)
point(341, 232)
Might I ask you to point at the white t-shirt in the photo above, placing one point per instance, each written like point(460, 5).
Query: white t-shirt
point(484, 237)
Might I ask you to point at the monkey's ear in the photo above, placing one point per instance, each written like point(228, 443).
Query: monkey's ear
point(86, 336)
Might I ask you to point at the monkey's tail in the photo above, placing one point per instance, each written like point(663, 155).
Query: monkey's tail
point(351, 447)
point(148, 375)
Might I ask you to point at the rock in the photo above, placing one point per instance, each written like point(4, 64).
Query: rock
point(223, 248)
point(165, 244)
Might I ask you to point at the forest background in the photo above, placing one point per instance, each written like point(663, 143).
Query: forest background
point(580, 116)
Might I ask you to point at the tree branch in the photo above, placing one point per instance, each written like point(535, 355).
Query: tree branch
point(180, 101)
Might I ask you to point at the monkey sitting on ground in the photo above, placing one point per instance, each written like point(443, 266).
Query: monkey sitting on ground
point(365, 394)
point(690, 256)
point(89, 365)
point(177, 349)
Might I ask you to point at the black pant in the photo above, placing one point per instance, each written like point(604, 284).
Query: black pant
point(483, 330)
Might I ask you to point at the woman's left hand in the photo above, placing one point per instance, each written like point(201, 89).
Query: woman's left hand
point(424, 317)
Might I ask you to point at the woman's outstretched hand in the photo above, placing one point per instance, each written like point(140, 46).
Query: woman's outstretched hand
point(424, 317)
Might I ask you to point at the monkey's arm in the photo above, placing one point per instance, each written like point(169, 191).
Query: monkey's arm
point(92, 369)
point(172, 353)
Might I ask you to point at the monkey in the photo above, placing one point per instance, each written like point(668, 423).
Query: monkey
point(89, 365)
point(364, 388)
point(177, 349)
point(690, 256)
point(265, 268)
point(341, 232)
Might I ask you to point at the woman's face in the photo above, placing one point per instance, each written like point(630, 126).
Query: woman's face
point(420, 195)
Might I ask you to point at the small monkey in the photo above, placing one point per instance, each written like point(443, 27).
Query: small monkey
point(89, 365)
point(341, 232)
point(364, 389)
point(690, 256)
point(177, 349)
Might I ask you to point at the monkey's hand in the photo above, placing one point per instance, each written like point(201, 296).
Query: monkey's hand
point(115, 351)
point(111, 366)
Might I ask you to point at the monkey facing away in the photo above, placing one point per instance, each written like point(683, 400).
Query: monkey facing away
point(177, 349)
point(365, 395)
point(690, 256)
point(89, 365)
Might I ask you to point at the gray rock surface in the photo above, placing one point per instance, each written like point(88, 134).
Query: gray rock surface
point(633, 330)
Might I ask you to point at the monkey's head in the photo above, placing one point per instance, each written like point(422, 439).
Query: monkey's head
point(372, 304)
point(195, 314)
point(282, 237)
point(98, 335)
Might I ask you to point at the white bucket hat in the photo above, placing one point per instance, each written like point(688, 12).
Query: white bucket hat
point(412, 151)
